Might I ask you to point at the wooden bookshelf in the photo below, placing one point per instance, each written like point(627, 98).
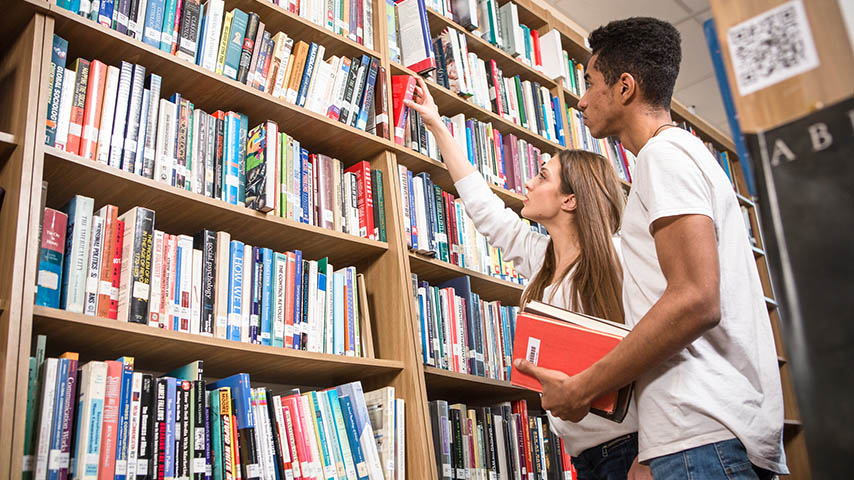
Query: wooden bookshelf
point(472, 389)
point(156, 349)
point(489, 288)
point(757, 252)
point(25, 162)
point(181, 211)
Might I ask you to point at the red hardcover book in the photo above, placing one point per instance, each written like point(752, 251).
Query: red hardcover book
point(402, 87)
point(362, 170)
point(117, 270)
point(78, 106)
point(499, 159)
point(179, 7)
point(496, 88)
point(566, 462)
point(110, 426)
point(92, 110)
point(511, 163)
point(520, 407)
point(291, 439)
point(451, 216)
point(291, 409)
point(110, 215)
point(538, 57)
point(558, 339)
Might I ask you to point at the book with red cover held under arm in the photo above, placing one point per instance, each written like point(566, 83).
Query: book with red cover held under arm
point(557, 339)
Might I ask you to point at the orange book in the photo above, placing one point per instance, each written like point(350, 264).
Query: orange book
point(117, 270)
point(110, 416)
point(92, 110)
point(293, 83)
point(110, 215)
point(78, 105)
point(558, 339)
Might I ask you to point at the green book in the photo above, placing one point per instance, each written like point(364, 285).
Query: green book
point(32, 399)
point(520, 101)
point(379, 207)
point(216, 436)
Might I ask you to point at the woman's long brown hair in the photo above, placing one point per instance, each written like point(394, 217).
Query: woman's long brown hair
point(598, 278)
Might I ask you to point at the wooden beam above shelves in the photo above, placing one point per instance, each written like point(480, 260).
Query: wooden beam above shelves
point(489, 288)
point(461, 387)
point(180, 211)
point(159, 350)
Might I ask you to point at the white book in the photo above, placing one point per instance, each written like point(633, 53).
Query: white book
point(329, 318)
point(93, 384)
point(327, 94)
point(143, 133)
point(107, 112)
point(411, 34)
point(140, 25)
point(260, 433)
point(318, 62)
point(117, 137)
point(331, 434)
point(466, 61)
point(65, 102)
point(400, 439)
point(319, 80)
point(271, 157)
point(96, 244)
point(196, 292)
point(80, 211)
point(381, 404)
point(368, 20)
point(498, 421)
point(165, 142)
point(48, 392)
point(197, 164)
point(149, 150)
point(282, 54)
point(246, 311)
point(552, 54)
point(280, 425)
point(134, 425)
point(185, 246)
point(529, 106)
point(213, 27)
point(314, 326)
point(222, 262)
point(336, 96)
point(280, 263)
point(512, 107)
point(155, 301)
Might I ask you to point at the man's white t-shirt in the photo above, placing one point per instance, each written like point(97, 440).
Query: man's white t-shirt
point(726, 383)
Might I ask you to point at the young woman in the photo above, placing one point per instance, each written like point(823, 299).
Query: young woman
point(577, 198)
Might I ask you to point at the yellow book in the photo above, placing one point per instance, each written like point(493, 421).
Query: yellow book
point(282, 85)
point(295, 76)
point(223, 42)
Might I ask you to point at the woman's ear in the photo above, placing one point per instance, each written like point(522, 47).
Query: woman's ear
point(568, 203)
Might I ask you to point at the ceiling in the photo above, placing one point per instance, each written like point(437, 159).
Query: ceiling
point(696, 86)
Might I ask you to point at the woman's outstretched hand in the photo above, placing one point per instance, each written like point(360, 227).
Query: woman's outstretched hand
point(422, 102)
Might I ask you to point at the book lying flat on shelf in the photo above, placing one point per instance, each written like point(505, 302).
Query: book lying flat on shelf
point(557, 339)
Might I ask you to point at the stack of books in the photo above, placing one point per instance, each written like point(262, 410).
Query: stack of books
point(462, 333)
point(115, 116)
point(120, 267)
point(106, 419)
point(501, 441)
point(436, 224)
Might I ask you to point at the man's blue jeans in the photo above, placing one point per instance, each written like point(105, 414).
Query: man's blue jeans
point(725, 460)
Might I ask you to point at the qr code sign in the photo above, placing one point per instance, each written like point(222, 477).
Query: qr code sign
point(771, 47)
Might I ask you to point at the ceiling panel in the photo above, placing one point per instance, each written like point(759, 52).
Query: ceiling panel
point(591, 14)
point(696, 62)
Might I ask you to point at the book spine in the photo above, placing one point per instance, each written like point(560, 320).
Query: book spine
point(64, 119)
point(120, 117)
point(109, 430)
point(59, 52)
point(198, 465)
point(46, 417)
point(235, 287)
point(95, 251)
point(196, 292)
point(222, 266)
point(133, 426)
point(150, 146)
point(189, 30)
point(123, 419)
point(206, 241)
point(248, 46)
point(146, 426)
point(132, 125)
point(77, 240)
point(51, 258)
point(116, 266)
point(75, 127)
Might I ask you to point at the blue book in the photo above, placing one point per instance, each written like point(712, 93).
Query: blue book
point(200, 34)
point(235, 43)
point(56, 426)
point(169, 451)
point(105, 13)
point(257, 286)
point(558, 122)
point(368, 96)
point(241, 398)
point(310, 60)
point(233, 176)
point(462, 288)
point(79, 211)
point(123, 437)
point(191, 372)
point(338, 305)
point(322, 283)
point(51, 255)
point(306, 185)
point(729, 105)
point(235, 287)
point(299, 328)
point(323, 443)
point(413, 229)
point(529, 50)
point(267, 297)
point(346, 406)
point(365, 432)
point(153, 23)
point(176, 289)
point(59, 54)
point(349, 283)
point(66, 4)
point(242, 132)
point(168, 26)
point(425, 332)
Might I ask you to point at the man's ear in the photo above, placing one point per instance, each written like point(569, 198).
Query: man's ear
point(627, 87)
point(569, 203)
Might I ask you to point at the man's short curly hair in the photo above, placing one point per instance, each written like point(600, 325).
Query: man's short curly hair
point(646, 48)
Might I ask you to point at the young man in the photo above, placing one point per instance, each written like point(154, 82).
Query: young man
point(701, 351)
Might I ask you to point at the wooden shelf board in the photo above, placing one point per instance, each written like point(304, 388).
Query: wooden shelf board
point(770, 303)
point(745, 201)
point(159, 349)
point(278, 19)
point(510, 66)
point(781, 360)
point(707, 131)
point(791, 427)
point(180, 211)
point(570, 98)
point(757, 252)
point(451, 104)
point(210, 92)
point(489, 288)
point(8, 143)
point(462, 387)
point(439, 175)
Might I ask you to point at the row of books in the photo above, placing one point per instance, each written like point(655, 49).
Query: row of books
point(501, 441)
point(462, 333)
point(573, 75)
point(115, 116)
point(193, 26)
point(435, 224)
point(106, 419)
point(120, 267)
point(622, 160)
